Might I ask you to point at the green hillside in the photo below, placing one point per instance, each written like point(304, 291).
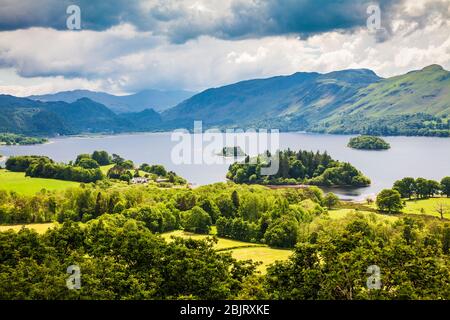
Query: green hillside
point(415, 103)
point(345, 102)
point(285, 102)
point(348, 101)
point(29, 117)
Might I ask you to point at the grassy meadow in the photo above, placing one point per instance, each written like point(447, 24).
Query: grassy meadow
point(40, 228)
point(342, 213)
point(16, 181)
point(240, 250)
point(427, 206)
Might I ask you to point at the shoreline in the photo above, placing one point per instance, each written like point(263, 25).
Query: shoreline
point(112, 134)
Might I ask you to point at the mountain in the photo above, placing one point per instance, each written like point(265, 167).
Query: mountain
point(147, 120)
point(348, 101)
point(343, 102)
point(26, 116)
point(155, 99)
point(405, 104)
point(292, 99)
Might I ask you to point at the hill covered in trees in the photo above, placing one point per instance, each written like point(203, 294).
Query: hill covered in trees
point(302, 167)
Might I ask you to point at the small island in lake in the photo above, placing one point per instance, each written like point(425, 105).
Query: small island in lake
point(232, 152)
point(298, 168)
point(368, 143)
point(11, 139)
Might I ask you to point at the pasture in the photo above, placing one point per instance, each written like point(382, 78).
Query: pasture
point(240, 250)
point(16, 181)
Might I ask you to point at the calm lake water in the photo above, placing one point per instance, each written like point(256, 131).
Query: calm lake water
point(409, 156)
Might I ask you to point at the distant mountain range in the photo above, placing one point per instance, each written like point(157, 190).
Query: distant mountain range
point(348, 101)
point(148, 99)
point(26, 116)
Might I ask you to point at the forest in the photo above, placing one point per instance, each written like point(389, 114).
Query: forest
point(113, 233)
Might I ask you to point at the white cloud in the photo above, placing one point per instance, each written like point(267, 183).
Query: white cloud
point(123, 59)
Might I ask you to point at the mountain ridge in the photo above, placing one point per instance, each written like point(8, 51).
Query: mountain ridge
point(353, 101)
point(158, 100)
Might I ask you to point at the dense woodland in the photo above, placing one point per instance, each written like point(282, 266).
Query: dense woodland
point(302, 167)
point(10, 139)
point(418, 124)
point(112, 233)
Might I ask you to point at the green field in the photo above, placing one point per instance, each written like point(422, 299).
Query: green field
point(264, 254)
point(423, 207)
point(105, 169)
point(16, 181)
point(223, 244)
point(38, 227)
point(427, 207)
point(240, 250)
point(342, 213)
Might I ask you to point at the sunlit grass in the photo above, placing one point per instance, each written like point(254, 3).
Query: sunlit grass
point(240, 250)
point(40, 228)
point(16, 181)
point(427, 207)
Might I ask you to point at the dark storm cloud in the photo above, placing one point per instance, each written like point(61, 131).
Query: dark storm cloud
point(96, 15)
point(184, 20)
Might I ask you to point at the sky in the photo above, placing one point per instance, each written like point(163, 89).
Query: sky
point(126, 46)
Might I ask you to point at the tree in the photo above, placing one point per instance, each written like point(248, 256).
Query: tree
point(197, 220)
point(445, 186)
point(116, 159)
point(434, 187)
point(102, 157)
point(283, 233)
point(81, 157)
point(422, 188)
point(88, 163)
point(240, 176)
point(441, 208)
point(211, 208)
point(235, 199)
point(331, 200)
point(406, 187)
point(226, 206)
point(389, 200)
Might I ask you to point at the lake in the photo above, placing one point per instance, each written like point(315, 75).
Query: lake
point(409, 156)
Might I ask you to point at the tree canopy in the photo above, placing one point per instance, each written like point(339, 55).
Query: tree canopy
point(368, 143)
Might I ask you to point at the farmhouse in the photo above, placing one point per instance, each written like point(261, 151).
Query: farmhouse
point(139, 180)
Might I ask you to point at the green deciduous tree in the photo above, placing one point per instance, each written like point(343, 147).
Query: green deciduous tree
point(389, 200)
